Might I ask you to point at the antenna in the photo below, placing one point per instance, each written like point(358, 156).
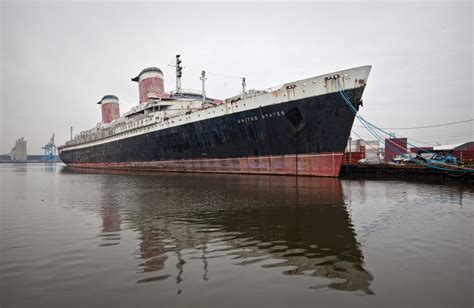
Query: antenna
point(71, 133)
point(243, 85)
point(203, 79)
point(179, 73)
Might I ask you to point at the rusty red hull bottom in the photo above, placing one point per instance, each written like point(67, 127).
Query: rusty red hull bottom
point(320, 164)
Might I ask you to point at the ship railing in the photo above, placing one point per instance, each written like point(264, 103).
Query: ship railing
point(272, 89)
point(190, 91)
point(253, 93)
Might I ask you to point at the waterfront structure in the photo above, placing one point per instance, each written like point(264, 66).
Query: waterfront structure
point(394, 147)
point(18, 152)
point(50, 150)
point(464, 152)
point(369, 150)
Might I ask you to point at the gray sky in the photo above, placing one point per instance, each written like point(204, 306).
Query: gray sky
point(58, 59)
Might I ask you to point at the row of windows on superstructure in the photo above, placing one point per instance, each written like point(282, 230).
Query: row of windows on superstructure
point(134, 124)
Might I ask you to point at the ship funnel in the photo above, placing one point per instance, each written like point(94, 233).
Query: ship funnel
point(110, 108)
point(150, 84)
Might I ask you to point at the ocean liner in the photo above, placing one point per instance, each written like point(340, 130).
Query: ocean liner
point(299, 128)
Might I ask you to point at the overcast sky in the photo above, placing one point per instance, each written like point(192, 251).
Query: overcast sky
point(58, 59)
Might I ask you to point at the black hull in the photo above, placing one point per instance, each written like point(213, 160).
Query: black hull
point(319, 124)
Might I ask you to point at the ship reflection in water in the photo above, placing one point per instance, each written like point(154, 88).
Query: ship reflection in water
point(111, 220)
point(301, 226)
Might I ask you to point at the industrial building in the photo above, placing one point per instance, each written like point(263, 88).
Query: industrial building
point(464, 152)
point(368, 150)
point(18, 152)
point(394, 147)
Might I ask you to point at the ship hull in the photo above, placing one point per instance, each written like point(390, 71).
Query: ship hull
point(303, 137)
point(321, 164)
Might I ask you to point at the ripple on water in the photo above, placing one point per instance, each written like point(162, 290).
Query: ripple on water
point(135, 237)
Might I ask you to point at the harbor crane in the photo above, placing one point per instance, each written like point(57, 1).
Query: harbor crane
point(50, 150)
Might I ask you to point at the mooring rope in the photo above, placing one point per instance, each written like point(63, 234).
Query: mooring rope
point(371, 128)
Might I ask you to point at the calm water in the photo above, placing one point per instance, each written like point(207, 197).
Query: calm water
point(90, 239)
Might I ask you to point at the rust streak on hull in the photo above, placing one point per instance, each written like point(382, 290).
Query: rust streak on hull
point(320, 164)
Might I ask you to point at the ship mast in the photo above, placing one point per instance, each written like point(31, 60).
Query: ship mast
point(203, 79)
point(243, 85)
point(179, 73)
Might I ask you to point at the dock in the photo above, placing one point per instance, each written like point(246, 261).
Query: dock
point(403, 170)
